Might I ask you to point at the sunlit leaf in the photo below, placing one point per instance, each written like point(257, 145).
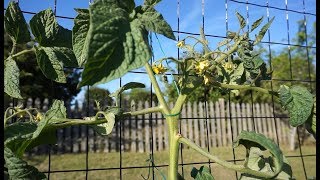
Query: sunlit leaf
point(298, 101)
point(116, 44)
point(79, 35)
point(11, 78)
point(15, 24)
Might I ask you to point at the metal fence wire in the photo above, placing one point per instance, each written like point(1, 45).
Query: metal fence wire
point(205, 13)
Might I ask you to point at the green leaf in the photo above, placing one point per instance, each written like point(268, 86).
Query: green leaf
point(79, 35)
point(20, 137)
point(311, 123)
point(241, 20)
point(116, 43)
point(17, 136)
point(253, 139)
point(256, 24)
point(130, 85)
point(151, 2)
point(237, 73)
point(153, 21)
point(57, 110)
point(262, 32)
point(298, 101)
point(11, 78)
point(19, 169)
point(105, 128)
point(202, 174)
point(50, 65)
point(180, 177)
point(15, 24)
point(48, 32)
point(256, 161)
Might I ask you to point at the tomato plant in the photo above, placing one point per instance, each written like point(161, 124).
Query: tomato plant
point(109, 39)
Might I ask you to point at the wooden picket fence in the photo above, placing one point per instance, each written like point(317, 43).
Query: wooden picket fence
point(220, 120)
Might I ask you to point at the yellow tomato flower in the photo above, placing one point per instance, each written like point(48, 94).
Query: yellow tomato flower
point(206, 79)
point(202, 66)
point(180, 44)
point(38, 116)
point(228, 66)
point(159, 69)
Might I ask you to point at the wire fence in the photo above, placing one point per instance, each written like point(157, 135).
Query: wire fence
point(268, 43)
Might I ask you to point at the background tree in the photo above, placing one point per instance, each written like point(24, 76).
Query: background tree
point(139, 94)
point(32, 81)
point(99, 94)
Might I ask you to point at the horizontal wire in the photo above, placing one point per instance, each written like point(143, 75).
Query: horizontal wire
point(163, 165)
point(273, 7)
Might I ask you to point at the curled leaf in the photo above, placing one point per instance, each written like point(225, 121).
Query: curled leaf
point(256, 140)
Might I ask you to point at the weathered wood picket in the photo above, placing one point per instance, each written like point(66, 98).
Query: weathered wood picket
point(222, 120)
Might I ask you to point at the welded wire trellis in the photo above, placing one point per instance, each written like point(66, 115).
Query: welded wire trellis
point(202, 4)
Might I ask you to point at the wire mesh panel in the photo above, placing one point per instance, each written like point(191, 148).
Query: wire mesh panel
point(80, 153)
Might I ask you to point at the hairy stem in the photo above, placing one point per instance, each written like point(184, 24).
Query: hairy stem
point(230, 51)
point(245, 87)
point(144, 111)
point(21, 53)
point(240, 168)
point(172, 122)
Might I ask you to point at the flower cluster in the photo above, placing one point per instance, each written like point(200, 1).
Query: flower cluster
point(159, 69)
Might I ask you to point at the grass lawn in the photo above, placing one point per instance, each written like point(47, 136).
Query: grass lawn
point(129, 159)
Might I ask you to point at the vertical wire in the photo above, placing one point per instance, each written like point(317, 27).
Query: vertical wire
point(87, 133)
point(178, 21)
point(87, 129)
point(229, 99)
point(307, 49)
point(52, 92)
point(206, 93)
point(309, 71)
point(150, 120)
point(291, 77)
point(120, 132)
point(271, 84)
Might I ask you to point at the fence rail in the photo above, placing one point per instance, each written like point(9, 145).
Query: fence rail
point(224, 122)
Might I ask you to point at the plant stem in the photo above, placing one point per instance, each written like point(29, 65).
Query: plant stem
point(23, 52)
point(172, 122)
point(240, 168)
point(20, 53)
point(144, 111)
point(231, 50)
point(163, 103)
point(14, 46)
point(245, 87)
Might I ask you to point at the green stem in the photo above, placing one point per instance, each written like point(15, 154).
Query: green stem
point(240, 168)
point(172, 122)
point(173, 155)
point(14, 46)
point(230, 51)
point(5, 115)
point(163, 103)
point(21, 53)
point(144, 111)
point(16, 113)
point(245, 87)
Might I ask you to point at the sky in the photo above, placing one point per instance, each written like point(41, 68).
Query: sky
point(190, 14)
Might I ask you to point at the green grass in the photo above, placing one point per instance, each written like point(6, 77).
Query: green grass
point(112, 160)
